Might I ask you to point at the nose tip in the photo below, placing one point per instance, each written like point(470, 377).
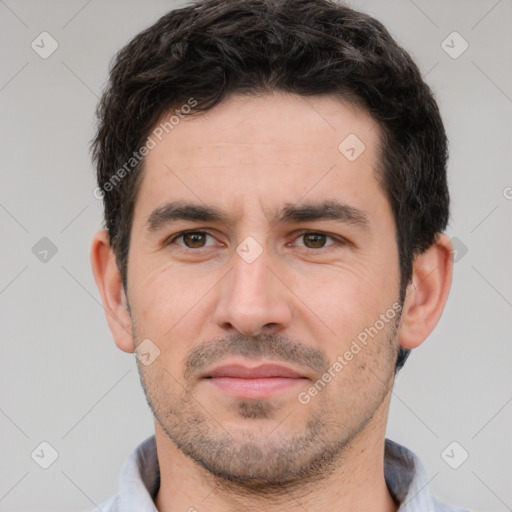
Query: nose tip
point(254, 317)
point(252, 327)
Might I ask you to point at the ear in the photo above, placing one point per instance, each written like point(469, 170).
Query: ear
point(427, 292)
point(110, 285)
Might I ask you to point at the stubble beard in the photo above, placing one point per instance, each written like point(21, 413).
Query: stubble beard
point(246, 458)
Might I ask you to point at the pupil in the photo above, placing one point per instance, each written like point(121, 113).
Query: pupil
point(317, 240)
point(194, 239)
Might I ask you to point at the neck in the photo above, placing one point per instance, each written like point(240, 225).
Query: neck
point(355, 481)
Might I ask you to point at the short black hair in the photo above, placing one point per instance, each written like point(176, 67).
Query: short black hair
point(211, 48)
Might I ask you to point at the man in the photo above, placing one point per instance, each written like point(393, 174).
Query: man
point(274, 182)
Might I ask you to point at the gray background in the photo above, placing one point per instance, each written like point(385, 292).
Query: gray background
point(63, 381)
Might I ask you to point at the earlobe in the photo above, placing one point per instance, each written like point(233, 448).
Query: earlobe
point(109, 283)
point(427, 292)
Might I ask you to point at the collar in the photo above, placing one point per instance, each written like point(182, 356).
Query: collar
point(405, 476)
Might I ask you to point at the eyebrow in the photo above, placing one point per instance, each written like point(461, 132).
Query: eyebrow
point(306, 212)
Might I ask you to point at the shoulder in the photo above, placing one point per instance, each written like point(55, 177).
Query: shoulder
point(444, 507)
point(407, 481)
point(110, 505)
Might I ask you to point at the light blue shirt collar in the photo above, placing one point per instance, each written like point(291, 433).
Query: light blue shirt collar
point(405, 477)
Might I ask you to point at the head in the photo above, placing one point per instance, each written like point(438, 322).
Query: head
point(256, 119)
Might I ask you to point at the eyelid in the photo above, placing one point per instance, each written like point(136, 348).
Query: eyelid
point(339, 240)
point(180, 234)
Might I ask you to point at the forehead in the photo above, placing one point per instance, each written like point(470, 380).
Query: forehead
point(272, 149)
point(284, 123)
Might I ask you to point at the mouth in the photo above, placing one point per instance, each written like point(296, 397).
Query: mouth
point(258, 382)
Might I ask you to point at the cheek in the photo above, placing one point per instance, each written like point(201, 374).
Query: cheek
point(367, 360)
point(351, 303)
point(168, 310)
point(167, 293)
point(346, 299)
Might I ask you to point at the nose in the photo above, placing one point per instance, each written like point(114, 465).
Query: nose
point(252, 299)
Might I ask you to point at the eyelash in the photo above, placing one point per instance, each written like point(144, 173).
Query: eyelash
point(338, 241)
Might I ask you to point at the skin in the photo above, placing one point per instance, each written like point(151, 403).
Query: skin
point(301, 303)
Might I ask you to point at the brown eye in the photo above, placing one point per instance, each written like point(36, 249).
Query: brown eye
point(192, 240)
point(314, 240)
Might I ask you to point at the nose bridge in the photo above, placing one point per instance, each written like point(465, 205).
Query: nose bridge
point(250, 270)
point(252, 298)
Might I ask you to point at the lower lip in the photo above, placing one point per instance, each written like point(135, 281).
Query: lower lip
point(255, 388)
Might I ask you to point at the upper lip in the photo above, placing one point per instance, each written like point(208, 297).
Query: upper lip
point(256, 372)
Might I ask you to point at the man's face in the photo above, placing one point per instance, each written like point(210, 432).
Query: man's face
point(271, 282)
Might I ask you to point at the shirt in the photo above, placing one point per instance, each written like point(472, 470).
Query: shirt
point(405, 476)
